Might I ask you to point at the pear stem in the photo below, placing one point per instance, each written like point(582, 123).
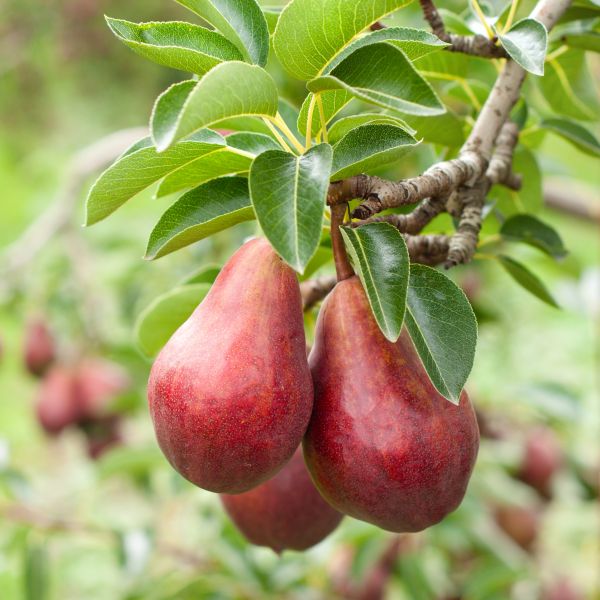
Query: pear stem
point(342, 264)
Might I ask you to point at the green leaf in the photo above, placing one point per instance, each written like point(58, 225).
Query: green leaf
point(530, 197)
point(589, 40)
point(527, 279)
point(569, 88)
point(219, 163)
point(205, 274)
point(321, 257)
point(236, 158)
point(272, 16)
point(370, 147)
point(333, 101)
point(211, 207)
point(455, 23)
point(257, 125)
point(575, 133)
point(288, 194)
point(469, 91)
point(443, 328)
point(341, 127)
point(310, 33)
point(530, 230)
point(289, 113)
point(159, 321)
point(240, 21)
point(230, 89)
point(526, 42)
point(415, 43)
point(252, 143)
point(177, 45)
point(131, 461)
point(243, 124)
point(381, 74)
point(446, 129)
point(380, 257)
point(444, 65)
point(140, 168)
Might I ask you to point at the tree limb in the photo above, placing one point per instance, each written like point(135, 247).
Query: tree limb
point(314, 290)
point(484, 159)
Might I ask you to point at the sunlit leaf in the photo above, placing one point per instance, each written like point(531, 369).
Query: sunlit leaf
point(240, 21)
point(310, 33)
point(139, 168)
point(288, 194)
point(231, 89)
point(369, 147)
point(177, 45)
point(211, 207)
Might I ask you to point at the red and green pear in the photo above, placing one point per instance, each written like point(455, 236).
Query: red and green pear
point(231, 394)
point(383, 445)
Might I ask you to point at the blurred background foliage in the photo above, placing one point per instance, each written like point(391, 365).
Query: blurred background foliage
point(126, 525)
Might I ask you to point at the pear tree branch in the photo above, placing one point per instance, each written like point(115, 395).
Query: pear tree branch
point(463, 183)
point(476, 45)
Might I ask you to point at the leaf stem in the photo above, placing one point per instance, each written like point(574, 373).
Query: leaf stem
point(470, 94)
point(288, 133)
point(342, 264)
point(278, 136)
point(482, 18)
point(309, 118)
point(322, 117)
point(556, 53)
point(511, 16)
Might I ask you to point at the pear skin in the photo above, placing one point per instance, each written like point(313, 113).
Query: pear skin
point(383, 445)
point(231, 394)
point(286, 512)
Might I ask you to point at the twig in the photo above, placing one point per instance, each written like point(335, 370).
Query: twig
point(414, 221)
point(314, 290)
point(475, 45)
point(429, 249)
point(433, 17)
point(380, 194)
point(464, 181)
point(572, 204)
point(464, 241)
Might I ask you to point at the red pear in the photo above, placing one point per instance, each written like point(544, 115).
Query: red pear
point(285, 512)
point(99, 382)
point(562, 589)
point(102, 434)
point(57, 404)
point(542, 458)
point(521, 523)
point(231, 394)
point(383, 445)
point(39, 350)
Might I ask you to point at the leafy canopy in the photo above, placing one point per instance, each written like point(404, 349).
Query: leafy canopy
point(227, 148)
